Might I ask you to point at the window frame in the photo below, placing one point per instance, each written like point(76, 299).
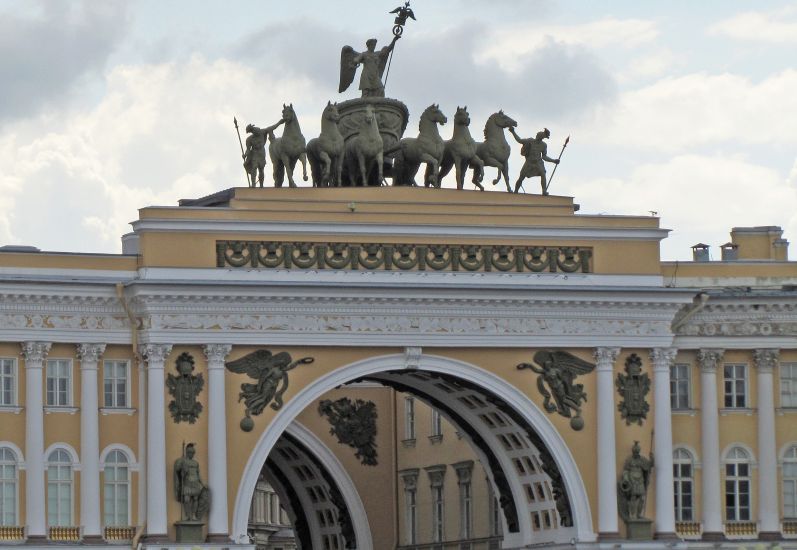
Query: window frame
point(736, 480)
point(792, 382)
point(675, 394)
point(411, 513)
point(734, 394)
point(679, 480)
point(792, 479)
point(438, 513)
point(409, 418)
point(69, 386)
point(465, 510)
point(128, 465)
point(114, 393)
point(437, 424)
point(3, 481)
point(70, 482)
point(14, 376)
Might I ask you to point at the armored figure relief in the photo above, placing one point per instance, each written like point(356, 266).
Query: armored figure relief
point(271, 373)
point(558, 371)
point(255, 154)
point(373, 63)
point(535, 150)
point(354, 424)
point(185, 388)
point(189, 489)
point(633, 484)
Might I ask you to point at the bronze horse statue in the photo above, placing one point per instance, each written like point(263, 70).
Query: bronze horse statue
point(325, 153)
point(365, 150)
point(286, 150)
point(426, 148)
point(494, 150)
point(460, 152)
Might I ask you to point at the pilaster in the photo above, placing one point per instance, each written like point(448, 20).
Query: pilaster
point(662, 359)
point(709, 360)
point(768, 516)
point(607, 450)
point(89, 355)
point(155, 356)
point(34, 354)
point(218, 529)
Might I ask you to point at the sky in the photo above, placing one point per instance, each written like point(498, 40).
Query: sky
point(682, 108)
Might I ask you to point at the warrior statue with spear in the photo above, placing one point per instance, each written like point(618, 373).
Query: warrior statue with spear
point(536, 151)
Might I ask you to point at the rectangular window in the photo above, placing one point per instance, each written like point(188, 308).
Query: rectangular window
point(115, 384)
point(59, 382)
point(409, 418)
point(682, 479)
point(8, 382)
point(438, 514)
point(735, 377)
point(411, 498)
point(788, 384)
point(679, 387)
point(790, 490)
point(465, 510)
point(437, 423)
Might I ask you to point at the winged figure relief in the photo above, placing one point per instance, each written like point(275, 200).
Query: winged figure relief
point(556, 381)
point(271, 372)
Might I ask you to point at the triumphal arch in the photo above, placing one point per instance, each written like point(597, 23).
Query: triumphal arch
point(402, 366)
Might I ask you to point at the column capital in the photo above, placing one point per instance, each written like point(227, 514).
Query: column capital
point(89, 354)
point(35, 351)
point(215, 354)
point(663, 358)
point(710, 359)
point(766, 359)
point(606, 357)
point(154, 353)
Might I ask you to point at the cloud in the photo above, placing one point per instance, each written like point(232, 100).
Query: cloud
point(43, 57)
point(774, 27)
point(700, 197)
point(678, 114)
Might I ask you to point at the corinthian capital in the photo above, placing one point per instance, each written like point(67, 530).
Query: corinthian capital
point(90, 353)
point(154, 354)
point(710, 359)
point(766, 359)
point(605, 358)
point(216, 353)
point(662, 358)
point(35, 351)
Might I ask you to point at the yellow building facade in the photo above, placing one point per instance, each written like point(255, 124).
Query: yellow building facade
point(418, 305)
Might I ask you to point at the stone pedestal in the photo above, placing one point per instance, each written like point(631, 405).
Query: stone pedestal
point(639, 529)
point(189, 531)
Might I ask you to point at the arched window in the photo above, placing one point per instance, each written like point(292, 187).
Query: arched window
point(737, 485)
point(116, 499)
point(8, 486)
point(683, 466)
point(59, 488)
point(790, 483)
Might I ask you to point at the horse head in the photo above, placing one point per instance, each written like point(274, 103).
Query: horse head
point(433, 114)
point(331, 112)
point(502, 120)
point(462, 118)
point(288, 114)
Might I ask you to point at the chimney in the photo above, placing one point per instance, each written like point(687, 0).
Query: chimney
point(730, 252)
point(700, 252)
point(764, 242)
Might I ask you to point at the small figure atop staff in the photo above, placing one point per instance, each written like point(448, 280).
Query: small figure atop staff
point(402, 13)
point(536, 151)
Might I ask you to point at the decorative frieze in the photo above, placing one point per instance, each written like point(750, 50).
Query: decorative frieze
point(377, 256)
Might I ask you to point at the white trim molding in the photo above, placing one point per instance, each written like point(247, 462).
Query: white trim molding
point(17, 451)
point(131, 456)
point(73, 455)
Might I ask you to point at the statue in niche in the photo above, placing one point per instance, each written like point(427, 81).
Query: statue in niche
point(185, 388)
point(535, 150)
point(633, 485)
point(271, 373)
point(189, 490)
point(373, 62)
point(633, 386)
point(354, 424)
point(557, 373)
point(255, 155)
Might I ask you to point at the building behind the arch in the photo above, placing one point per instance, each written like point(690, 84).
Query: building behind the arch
point(423, 302)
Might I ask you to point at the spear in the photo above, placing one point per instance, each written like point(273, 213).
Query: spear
point(545, 191)
point(243, 155)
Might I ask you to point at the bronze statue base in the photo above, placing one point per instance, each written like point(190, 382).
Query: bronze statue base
point(189, 531)
point(639, 529)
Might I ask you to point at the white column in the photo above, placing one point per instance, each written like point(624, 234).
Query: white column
point(34, 354)
point(217, 437)
point(155, 356)
point(89, 355)
point(768, 512)
point(607, 454)
point(709, 360)
point(662, 358)
point(142, 441)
